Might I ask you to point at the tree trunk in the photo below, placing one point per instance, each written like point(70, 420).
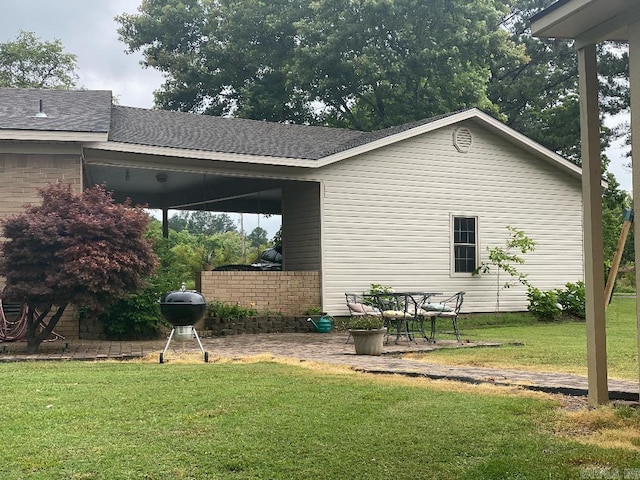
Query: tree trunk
point(35, 320)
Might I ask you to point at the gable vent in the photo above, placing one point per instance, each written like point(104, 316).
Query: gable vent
point(462, 139)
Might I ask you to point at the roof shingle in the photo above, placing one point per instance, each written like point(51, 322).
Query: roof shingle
point(66, 110)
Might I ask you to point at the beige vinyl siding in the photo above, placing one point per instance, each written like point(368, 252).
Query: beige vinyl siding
point(388, 213)
point(301, 226)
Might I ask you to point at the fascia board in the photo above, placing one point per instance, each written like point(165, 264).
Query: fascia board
point(201, 154)
point(52, 136)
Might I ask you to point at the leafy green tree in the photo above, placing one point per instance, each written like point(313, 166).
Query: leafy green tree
point(376, 64)
point(539, 95)
point(27, 62)
point(221, 57)
point(73, 248)
point(258, 237)
point(359, 64)
point(202, 222)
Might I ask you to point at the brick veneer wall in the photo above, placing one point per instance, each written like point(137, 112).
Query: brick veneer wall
point(24, 169)
point(286, 293)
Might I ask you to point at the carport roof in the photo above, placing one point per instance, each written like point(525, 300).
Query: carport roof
point(162, 128)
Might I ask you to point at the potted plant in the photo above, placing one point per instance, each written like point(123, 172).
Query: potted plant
point(368, 334)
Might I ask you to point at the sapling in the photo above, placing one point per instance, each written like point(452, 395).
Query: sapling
point(504, 258)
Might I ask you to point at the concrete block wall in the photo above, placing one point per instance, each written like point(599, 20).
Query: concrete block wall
point(26, 168)
point(282, 293)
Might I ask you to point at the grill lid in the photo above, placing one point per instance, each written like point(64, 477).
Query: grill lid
point(183, 297)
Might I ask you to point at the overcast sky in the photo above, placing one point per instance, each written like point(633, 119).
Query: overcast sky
point(87, 29)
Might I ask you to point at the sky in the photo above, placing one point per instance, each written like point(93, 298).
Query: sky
point(87, 29)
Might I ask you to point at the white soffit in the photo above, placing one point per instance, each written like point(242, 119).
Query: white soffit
point(587, 21)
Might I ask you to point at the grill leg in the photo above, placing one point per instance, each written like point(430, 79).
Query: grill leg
point(205, 354)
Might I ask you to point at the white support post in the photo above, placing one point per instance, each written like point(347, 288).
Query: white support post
point(593, 241)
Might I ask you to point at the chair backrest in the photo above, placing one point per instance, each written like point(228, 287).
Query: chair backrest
point(459, 298)
point(358, 306)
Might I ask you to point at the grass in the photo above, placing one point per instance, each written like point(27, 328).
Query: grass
point(554, 347)
point(265, 420)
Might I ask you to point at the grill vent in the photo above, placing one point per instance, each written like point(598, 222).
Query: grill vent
point(462, 139)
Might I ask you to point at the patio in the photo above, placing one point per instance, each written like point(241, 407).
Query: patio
point(322, 348)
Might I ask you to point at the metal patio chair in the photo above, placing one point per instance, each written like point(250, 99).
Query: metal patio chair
point(447, 308)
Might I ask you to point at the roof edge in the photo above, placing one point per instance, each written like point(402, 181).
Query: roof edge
point(112, 146)
point(53, 135)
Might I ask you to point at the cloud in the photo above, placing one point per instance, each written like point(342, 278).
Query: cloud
point(88, 30)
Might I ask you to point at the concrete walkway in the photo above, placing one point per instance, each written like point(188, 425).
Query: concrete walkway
point(326, 348)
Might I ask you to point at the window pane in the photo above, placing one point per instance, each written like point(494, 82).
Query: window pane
point(465, 259)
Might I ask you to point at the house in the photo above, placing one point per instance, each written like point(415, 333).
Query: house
point(413, 207)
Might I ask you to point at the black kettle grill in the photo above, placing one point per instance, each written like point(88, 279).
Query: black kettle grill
point(182, 309)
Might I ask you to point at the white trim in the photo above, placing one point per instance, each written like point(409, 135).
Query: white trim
point(558, 15)
point(452, 253)
point(200, 154)
point(99, 142)
point(53, 136)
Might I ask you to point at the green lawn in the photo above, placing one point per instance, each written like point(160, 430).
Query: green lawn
point(560, 346)
point(270, 421)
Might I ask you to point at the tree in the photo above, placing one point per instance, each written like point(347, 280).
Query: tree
point(505, 258)
point(73, 248)
point(375, 64)
point(362, 64)
point(258, 237)
point(201, 222)
point(27, 62)
point(539, 96)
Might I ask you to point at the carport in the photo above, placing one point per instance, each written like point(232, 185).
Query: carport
point(174, 161)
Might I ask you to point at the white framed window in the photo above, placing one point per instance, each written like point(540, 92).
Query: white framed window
point(464, 244)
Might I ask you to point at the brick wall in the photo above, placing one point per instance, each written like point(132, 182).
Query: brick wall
point(286, 293)
point(24, 169)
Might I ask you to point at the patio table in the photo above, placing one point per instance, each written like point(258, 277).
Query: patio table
point(401, 310)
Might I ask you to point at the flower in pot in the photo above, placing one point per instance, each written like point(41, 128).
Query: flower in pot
point(368, 334)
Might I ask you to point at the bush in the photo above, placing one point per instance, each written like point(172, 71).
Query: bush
point(227, 312)
point(135, 317)
point(543, 305)
point(572, 299)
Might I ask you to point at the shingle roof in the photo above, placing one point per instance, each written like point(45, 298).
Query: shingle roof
point(229, 135)
point(66, 110)
point(92, 111)
point(162, 128)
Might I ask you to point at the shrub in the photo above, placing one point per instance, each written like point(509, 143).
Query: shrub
point(543, 305)
point(134, 317)
point(313, 311)
point(227, 312)
point(376, 289)
point(572, 299)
